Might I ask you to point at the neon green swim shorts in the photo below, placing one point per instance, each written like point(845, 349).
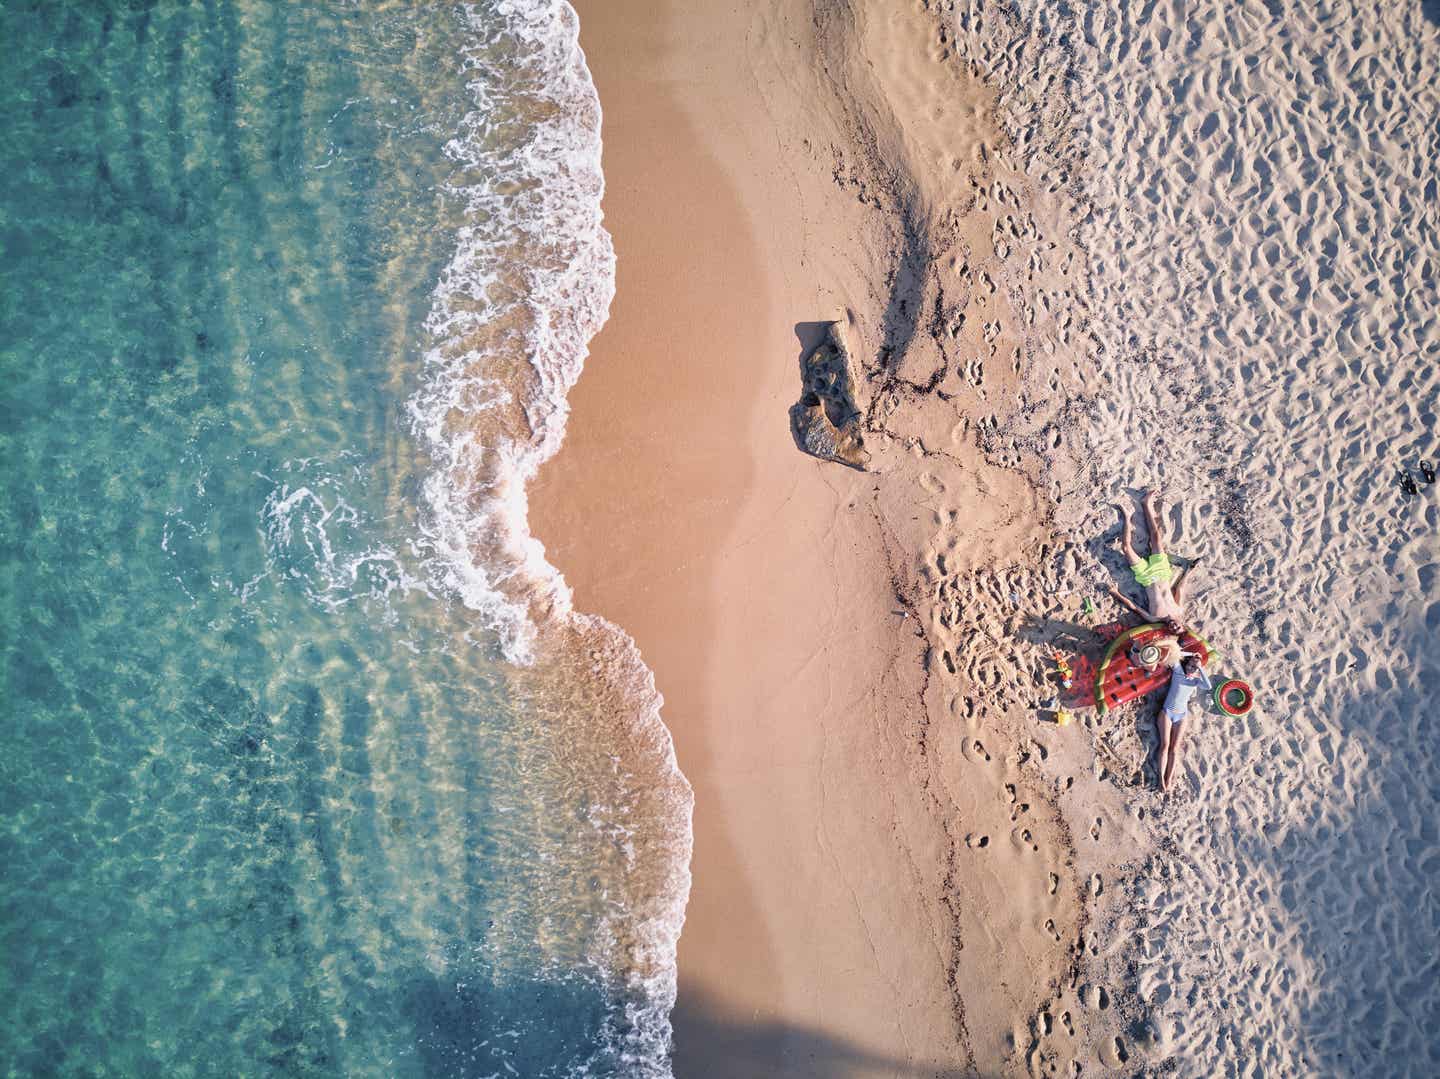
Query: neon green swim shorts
point(1153, 570)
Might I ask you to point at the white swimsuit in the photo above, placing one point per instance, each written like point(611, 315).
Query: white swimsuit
point(1182, 688)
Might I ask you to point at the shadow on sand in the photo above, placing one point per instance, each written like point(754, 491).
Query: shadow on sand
point(811, 334)
point(713, 1044)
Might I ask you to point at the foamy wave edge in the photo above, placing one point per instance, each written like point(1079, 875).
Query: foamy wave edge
point(542, 194)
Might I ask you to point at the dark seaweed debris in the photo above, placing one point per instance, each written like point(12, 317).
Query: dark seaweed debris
point(1235, 516)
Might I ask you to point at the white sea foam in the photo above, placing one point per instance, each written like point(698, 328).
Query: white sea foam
point(529, 284)
point(315, 536)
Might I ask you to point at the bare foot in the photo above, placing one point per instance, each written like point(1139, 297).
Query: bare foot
point(1152, 499)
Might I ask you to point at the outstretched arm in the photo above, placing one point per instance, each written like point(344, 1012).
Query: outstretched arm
point(1143, 614)
point(1178, 585)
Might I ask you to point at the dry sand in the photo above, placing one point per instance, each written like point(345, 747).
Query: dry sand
point(1264, 248)
point(901, 866)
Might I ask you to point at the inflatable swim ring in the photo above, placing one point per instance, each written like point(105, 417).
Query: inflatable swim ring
point(1234, 697)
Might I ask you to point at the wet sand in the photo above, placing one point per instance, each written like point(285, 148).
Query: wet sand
point(719, 552)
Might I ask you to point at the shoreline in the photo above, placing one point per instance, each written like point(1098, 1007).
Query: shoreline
point(766, 173)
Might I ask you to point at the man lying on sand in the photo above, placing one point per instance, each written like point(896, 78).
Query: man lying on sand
point(1186, 679)
point(1164, 589)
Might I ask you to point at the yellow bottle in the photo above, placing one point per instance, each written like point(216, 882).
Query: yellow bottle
point(1063, 718)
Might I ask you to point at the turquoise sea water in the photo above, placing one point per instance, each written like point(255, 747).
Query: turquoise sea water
point(275, 796)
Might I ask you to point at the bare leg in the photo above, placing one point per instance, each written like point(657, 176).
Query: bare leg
point(1157, 534)
point(1127, 536)
point(1177, 731)
point(1162, 751)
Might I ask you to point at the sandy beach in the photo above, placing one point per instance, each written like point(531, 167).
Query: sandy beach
point(849, 914)
point(679, 539)
point(902, 865)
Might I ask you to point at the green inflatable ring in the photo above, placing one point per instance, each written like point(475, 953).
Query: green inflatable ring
point(1234, 697)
